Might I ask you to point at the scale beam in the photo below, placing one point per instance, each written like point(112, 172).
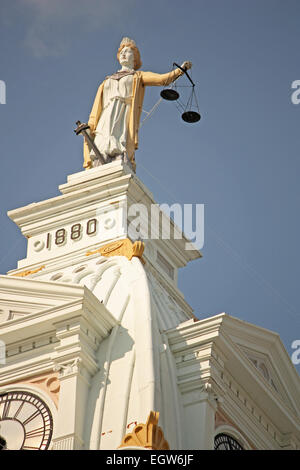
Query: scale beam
point(184, 71)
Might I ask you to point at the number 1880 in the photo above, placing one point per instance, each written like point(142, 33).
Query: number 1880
point(76, 232)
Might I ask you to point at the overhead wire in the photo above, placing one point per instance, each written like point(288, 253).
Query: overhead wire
point(153, 109)
point(237, 257)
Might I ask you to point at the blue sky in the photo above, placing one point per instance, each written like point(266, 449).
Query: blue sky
point(241, 160)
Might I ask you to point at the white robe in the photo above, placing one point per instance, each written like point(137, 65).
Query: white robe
point(111, 131)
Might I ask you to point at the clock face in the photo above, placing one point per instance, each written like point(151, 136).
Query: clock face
point(25, 421)
point(226, 442)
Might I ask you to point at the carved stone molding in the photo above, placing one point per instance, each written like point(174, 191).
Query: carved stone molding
point(5, 314)
point(121, 248)
point(149, 435)
point(68, 368)
point(27, 273)
point(49, 383)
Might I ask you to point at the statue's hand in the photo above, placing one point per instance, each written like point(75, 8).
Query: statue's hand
point(186, 65)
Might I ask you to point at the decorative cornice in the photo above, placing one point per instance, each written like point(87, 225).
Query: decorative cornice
point(68, 368)
point(149, 435)
point(27, 273)
point(121, 248)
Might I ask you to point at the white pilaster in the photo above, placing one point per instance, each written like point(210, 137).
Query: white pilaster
point(74, 387)
point(199, 419)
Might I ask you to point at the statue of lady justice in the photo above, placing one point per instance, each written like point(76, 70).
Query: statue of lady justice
point(115, 116)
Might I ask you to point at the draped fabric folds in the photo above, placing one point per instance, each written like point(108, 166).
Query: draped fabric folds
point(116, 111)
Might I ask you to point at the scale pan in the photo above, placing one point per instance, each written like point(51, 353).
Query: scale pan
point(169, 94)
point(191, 116)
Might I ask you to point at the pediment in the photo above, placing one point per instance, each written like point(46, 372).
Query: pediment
point(267, 359)
point(21, 297)
point(10, 310)
point(264, 365)
point(31, 308)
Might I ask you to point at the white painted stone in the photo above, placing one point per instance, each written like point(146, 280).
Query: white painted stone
point(124, 340)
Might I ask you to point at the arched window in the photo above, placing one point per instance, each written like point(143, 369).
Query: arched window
point(226, 442)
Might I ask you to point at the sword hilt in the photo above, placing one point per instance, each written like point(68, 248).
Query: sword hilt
point(81, 127)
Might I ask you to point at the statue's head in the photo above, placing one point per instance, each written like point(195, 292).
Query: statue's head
point(129, 45)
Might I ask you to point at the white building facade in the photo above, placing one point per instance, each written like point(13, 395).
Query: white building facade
point(100, 343)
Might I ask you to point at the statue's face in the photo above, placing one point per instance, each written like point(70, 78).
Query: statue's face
point(126, 57)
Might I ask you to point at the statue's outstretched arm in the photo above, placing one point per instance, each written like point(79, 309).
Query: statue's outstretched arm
point(158, 79)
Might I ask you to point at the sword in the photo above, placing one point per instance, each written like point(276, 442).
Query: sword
point(82, 129)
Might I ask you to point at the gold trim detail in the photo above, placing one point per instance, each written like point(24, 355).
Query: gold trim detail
point(121, 248)
point(26, 273)
point(148, 436)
